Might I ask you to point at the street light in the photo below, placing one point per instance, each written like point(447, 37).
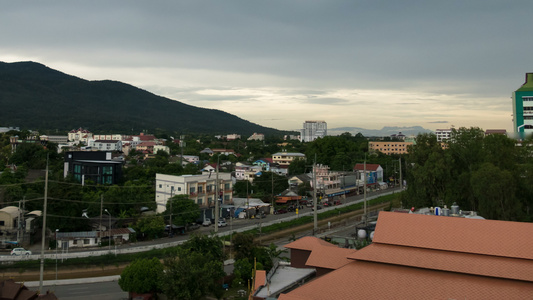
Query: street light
point(109, 229)
point(57, 231)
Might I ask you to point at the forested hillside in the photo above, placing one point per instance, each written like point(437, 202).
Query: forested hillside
point(33, 96)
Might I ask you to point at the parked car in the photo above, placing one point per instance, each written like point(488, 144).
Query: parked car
point(280, 211)
point(309, 204)
point(206, 222)
point(222, 223)
point(317, 207)
point(20, 251)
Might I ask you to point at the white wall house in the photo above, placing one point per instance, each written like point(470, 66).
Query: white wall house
point(200, 188)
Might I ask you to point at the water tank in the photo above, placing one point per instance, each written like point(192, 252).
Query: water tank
point(446, 211)
point(372, 236)
point(455, 209)
point(361, 234)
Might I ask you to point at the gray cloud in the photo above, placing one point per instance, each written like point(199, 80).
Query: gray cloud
point(473, 50)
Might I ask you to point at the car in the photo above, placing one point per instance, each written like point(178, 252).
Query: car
point(222, 223)
point(309, 204)
point(280, 211)
point(317, 207)
point(206, 222)
point(20, 251)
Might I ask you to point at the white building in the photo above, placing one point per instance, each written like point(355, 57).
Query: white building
point(443, 134)
point(313, 130)
point(285, 158)
point(200, 188)
point(106, 145)
point(257, 137)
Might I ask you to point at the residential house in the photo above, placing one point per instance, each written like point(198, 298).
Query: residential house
point(83, 239)
point(416, 256)
point(247, 172)
point(146, 147)
point(374, 173)
point(80, 135)
point(200, 188)
point(285, 158)
point(98, 166)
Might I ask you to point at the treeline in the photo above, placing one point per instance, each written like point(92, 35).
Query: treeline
point(489, 174)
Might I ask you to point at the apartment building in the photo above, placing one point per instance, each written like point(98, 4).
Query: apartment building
point(443, 134)
point(313, 130)
point(523, 108)
point(389, 147)
point(200, 188)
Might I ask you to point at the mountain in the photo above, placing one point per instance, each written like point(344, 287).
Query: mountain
point(385, 131)
point(33, 96)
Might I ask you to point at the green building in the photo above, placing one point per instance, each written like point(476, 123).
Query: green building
point(523, 108)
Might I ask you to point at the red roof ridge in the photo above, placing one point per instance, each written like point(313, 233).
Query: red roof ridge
point(308, 243)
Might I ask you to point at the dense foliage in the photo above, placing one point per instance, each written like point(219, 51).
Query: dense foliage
point(489, 174)
point(142, 276)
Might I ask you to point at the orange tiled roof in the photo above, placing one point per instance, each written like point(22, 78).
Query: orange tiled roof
point(485, 265)
point(367, 280)
point(308, 243)
point(488, 237)
point(260, 279)
point(329, 257)
point(431, 257)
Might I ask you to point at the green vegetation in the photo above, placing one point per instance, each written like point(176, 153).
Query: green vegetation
point(489, 174)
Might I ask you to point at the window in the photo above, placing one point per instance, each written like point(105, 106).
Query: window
point(527, 98)
point(200, 189)
point(74, 242)
point(160, 186)
point(2, 223)
point(200, 201)
point(192, 190)
point(86, 241)
point(226, 186)
point(179, 189)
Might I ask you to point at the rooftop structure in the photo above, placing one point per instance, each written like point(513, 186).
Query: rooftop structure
point(417, 256)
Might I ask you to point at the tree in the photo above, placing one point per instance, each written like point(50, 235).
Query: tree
point(192, 275)
point(142, 276)
point(244, 245)
point(184, 210)
point(297, 167)
point(150, 227)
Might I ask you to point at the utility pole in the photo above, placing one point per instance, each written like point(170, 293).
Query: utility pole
point(364, 191)
point(171, 230)
point(216, 196)
point(315, 215)
point(44, 227)
point(101, 210)
point(273, 201)
point(182, 144)
point(401, 181)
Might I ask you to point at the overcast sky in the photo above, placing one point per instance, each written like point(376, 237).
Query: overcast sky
point(351, 63)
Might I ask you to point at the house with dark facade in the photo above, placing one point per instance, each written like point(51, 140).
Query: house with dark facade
point(98, 166)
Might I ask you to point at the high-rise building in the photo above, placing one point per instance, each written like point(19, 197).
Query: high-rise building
point(523, 107)
point(313, 130)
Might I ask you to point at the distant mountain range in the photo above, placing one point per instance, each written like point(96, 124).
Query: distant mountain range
point(33, 96)
point(385, 131)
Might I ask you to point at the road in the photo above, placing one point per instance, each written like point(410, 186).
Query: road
point(108, 290)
